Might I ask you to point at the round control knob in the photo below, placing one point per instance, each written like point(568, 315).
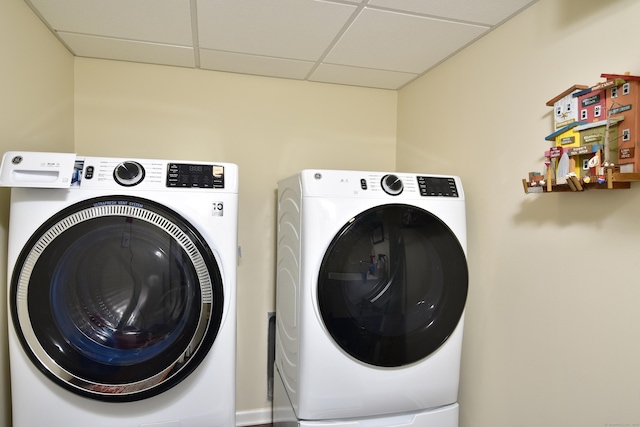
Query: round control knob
point(128, 173)
point(392, 185)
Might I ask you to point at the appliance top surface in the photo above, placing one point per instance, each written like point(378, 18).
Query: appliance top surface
point(385, 185)
point(66, 170)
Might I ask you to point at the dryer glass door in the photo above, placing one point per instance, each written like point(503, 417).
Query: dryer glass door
point(392, 285)
point(117, 298)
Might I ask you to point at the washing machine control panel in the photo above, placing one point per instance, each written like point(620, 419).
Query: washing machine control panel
point(195, 175)
point(147, 174)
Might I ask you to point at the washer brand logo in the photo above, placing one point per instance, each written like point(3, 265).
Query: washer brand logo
point(217, 208)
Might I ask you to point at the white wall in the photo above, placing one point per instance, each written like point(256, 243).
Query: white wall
point(552, 326)
point(36, 113)
point(270, 127)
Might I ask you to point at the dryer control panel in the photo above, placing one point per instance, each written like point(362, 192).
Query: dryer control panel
point(379, 185)
point(432, 186)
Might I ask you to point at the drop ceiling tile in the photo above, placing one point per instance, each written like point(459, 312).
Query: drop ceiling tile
point(489, 12)
point(293, 29)
point(127, 50)
point(372, 43)
point(161, 21)
point(400, 42)
point(353, 76)
point(253, 64)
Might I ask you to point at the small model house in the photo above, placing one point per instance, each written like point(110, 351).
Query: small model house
point(623, 99)
point(591, 104)
point(564, 139)
point(593, 138)
point(565, 106)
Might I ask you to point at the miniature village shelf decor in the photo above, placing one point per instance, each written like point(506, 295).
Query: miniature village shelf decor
point(595, 144)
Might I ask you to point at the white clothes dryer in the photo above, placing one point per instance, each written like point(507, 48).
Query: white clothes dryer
point(121, 291)
point(372, 282)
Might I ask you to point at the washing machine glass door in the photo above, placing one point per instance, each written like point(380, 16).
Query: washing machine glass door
point(392, 285)
point(117, 298)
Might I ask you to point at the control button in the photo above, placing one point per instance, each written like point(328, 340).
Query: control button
point(392, 185)
point(363, 184)
point(89, 172)
point(128, 173)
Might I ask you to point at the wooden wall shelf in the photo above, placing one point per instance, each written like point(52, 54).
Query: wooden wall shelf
point(613, 181)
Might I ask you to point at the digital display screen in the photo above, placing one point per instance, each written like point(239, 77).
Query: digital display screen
point(195, 175)
point(436, 186)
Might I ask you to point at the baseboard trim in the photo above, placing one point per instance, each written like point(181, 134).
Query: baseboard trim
point(253, 417)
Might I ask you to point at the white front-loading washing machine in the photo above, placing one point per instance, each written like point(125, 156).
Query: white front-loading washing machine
point(372, 282)
point(121, 291)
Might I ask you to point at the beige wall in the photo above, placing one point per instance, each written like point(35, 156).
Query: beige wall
point(36, 113)
point(552, 327)
point(270, 127)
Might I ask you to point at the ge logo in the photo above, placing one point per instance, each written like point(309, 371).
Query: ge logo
point(218, 208)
